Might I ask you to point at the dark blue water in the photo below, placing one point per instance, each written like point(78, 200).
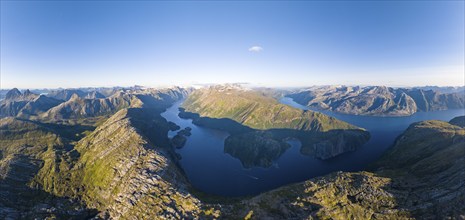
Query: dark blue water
point(211, 170)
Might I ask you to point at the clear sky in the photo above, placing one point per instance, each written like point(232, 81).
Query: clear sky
point(104, 43)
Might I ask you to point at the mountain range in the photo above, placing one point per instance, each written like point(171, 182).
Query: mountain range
point(377, 100)
point(76, 104)
point(122, 165)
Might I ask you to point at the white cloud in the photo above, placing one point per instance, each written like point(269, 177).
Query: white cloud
point(255, 49)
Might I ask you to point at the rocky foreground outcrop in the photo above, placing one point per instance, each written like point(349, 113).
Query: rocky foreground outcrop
point(377, 100)
point(126, 169)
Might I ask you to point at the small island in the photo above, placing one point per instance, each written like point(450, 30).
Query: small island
point(180, 139)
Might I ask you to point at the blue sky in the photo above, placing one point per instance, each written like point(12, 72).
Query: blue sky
point(71, 44)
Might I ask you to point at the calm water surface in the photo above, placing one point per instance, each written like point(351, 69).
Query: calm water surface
point(211, 170)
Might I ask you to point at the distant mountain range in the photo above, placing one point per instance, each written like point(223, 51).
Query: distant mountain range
point(377, 100)
point(443, 89)
point(77, 104)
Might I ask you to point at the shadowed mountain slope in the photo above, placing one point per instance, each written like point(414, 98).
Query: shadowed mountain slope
point(125, 168)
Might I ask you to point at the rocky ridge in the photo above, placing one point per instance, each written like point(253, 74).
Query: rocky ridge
point(65, 105)
point(377, 100)
point(124, 169)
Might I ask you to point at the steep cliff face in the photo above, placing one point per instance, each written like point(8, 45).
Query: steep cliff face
point(257, 148)
point(377, 100)
point(333, 143)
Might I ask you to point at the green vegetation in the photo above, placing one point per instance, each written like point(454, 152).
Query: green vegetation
point(33, 170)
point(244, 113)
point(101, 163)
point(124, 168)
point(257, 111)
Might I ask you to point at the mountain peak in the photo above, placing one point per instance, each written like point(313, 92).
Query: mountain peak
point(229, 86)
point(13, 93)
point(27, 92)
point(29, 95)
point(73, 97)
point(94, 95)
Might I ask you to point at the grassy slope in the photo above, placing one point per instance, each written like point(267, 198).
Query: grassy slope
point(33, 161)
point(257, 111)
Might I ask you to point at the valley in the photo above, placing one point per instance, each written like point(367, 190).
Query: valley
point(212, 110)
point(116, 160)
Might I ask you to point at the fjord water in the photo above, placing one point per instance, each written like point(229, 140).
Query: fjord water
point(213, 171)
